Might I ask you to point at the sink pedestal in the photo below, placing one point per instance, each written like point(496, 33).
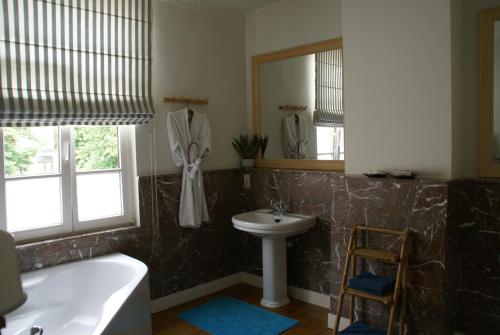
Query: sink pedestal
point(274, 272)
point(273, 228)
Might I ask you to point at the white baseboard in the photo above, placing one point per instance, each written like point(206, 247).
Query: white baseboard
point(344, 322)
point(310, 297)
point(193, 293)
point(199, 291)
point(297, 293)
point(251, 279)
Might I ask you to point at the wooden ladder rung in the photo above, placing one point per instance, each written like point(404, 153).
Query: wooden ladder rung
point(386, 299)
point(383, 230)
point(385, 256)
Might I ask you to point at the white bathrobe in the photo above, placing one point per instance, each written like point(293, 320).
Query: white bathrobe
point(190, 144)
point(295, 135)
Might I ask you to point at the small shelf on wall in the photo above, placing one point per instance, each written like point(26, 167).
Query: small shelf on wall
point(186, 100)
point(293, 108)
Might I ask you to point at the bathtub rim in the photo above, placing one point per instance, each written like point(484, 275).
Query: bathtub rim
point(139, 276)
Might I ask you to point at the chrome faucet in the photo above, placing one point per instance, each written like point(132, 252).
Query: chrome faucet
point(279, 207)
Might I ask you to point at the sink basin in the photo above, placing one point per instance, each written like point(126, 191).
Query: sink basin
point(266, 223)
point(273, 228)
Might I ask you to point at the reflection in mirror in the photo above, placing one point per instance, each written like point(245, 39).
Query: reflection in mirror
point(315, 132)
point(496, 91)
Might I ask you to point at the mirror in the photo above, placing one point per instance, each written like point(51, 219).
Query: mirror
point(489, 93)
point(298, 104)
point(496, 91)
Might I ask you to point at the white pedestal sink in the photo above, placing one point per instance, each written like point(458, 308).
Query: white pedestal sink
point(273, 228)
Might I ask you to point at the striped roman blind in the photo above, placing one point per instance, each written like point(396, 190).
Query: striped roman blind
point(75, 62)
point(329, 105)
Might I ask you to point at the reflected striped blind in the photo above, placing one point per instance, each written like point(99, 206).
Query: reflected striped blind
point(75, 62)
point(329, 105)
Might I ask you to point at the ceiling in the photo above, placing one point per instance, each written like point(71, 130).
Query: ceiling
point(241, 5)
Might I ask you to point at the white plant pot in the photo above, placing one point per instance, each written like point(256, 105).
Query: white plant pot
point(247, 163)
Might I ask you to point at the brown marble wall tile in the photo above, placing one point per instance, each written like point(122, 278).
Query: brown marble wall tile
point(62, 250)
point(186, 257)
point(316, 259)
point(474, 243)
point(417, 205)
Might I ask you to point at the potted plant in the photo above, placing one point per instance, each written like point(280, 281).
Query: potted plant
point(263, 141)
point(247, 147)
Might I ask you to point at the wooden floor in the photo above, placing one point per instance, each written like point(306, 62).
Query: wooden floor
point(313, 319)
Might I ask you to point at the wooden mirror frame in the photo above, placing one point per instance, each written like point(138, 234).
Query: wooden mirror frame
point(487, 166)
point(308, 49)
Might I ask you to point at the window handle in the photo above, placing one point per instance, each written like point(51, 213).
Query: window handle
point(66, 151)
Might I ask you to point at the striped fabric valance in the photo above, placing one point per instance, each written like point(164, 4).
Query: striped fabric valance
point(329, 105)
point(75, 62)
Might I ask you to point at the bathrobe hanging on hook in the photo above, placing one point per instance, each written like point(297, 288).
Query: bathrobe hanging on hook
point(190, 144)
point(295, 135)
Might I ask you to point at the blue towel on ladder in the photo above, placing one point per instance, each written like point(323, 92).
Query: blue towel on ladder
point(373, 284)
point(359, 328)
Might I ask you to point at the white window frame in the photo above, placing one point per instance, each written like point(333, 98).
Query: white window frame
point(334, 144)
point(69, 203)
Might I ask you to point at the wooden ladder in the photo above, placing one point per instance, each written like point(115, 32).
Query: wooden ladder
point(400, 288)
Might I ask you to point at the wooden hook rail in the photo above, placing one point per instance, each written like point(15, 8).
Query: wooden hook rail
point(186, 100)
point(294, 108)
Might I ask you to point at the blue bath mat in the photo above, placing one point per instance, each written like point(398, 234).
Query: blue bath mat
point(230, 316)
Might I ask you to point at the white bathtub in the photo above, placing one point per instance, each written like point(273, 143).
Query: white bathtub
point(103, 295)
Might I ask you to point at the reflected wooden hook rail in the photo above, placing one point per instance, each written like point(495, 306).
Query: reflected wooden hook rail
point(293, 108)
point(186, 100)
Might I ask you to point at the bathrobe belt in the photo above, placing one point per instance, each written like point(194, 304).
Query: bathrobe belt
point(193, 167)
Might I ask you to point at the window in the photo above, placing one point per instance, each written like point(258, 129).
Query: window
point(328, 116)
point(75, 63)
point(56, 180)
point(330, 143)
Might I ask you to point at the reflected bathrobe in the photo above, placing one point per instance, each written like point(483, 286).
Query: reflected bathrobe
point(190, 144)
point(295, 135)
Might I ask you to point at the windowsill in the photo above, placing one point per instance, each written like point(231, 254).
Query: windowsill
point(76, 235)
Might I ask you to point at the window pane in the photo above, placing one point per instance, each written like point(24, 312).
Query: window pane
point(330, 143)
point(339, 143)
point(33, 203)
point(327, 157)
point(324, 140)
point(99, 195)
point(31, 151)
point(96, 148)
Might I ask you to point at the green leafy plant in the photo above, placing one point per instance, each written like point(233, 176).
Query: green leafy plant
point(18, 158)
point(96, 148)
point(247, 146)
point(263, 142)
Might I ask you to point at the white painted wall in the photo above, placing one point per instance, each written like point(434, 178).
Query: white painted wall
point(410, 72)
point(398, 100)
point(200, 54)
point(397, 79)
point(287, 82)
